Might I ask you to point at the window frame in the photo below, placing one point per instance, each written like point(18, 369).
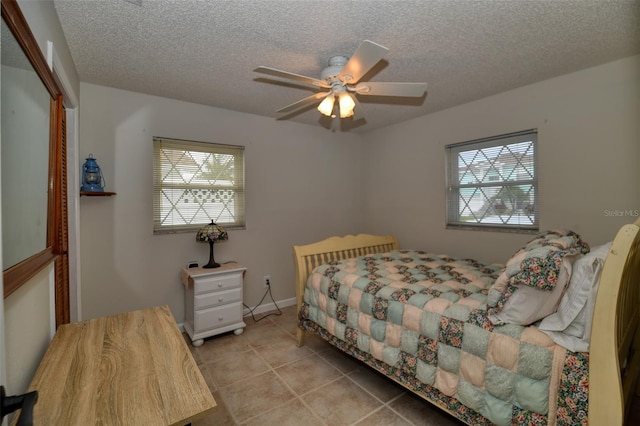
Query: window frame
point(206, 148)
point(453, 184)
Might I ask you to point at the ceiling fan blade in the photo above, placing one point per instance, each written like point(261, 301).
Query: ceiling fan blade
point(358, 111)
point(303, 102)
point(363, 59)
point(292, 76)
point(414, 90)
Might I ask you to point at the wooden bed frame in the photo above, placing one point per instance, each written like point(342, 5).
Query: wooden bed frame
point(614, 359)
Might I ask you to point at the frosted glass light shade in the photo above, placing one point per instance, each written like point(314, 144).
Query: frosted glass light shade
point(346, 105)
point(326, 106)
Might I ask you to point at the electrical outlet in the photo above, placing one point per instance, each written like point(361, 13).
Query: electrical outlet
point(267, 281)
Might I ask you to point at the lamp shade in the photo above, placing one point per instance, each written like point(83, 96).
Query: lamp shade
point(211, 233)
point(346, 105)
point(326, 106)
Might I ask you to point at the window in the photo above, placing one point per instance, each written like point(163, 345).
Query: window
point(492, 182)
point(195, 183)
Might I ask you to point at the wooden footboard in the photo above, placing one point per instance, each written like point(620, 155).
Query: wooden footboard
point(307, 257)
point(614, 359)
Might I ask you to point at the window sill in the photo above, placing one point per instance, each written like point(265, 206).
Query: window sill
point(489, 228)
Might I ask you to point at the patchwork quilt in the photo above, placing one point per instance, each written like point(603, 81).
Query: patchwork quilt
point(422, 320)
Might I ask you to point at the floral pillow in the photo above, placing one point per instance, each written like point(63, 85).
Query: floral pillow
point(540, 271)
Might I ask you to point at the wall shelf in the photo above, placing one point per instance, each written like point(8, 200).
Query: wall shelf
point(96, 194)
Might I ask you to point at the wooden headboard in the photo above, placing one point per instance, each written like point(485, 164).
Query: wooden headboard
point(308, 257)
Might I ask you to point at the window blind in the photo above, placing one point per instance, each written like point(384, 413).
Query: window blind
point(492, 182)
point(195, 183)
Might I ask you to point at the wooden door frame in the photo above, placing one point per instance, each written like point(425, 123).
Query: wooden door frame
point(56, 250)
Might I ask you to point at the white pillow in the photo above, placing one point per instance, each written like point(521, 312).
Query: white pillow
point(529, 304)
point(570, 326)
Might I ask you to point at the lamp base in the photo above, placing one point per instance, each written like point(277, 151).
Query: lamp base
point(212, 263)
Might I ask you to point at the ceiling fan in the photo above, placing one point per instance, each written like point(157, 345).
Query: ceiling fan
point(342, 77)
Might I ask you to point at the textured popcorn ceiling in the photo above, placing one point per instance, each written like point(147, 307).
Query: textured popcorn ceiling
point(205, 51)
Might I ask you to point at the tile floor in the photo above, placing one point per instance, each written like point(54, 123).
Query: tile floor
point(261, 378)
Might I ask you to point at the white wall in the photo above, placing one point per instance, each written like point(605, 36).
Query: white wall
point(305, 183)
point(43, 21)
point(588, 145)
point(29, 325)
point(302, 184)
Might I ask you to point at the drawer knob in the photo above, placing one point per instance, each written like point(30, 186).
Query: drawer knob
point(219, 284)
point(220, 318)
point(220, 299)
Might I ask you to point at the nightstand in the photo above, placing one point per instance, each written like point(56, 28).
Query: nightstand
point(213, 301)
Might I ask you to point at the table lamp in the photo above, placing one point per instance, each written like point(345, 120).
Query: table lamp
point(211, 233)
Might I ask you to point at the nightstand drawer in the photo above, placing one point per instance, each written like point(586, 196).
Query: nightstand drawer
point(217, 317)
point(219, 283)
point(218, 298)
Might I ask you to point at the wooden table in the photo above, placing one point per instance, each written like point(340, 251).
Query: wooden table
point(128, 369)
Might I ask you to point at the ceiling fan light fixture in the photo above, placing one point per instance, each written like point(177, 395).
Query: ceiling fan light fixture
point(346, 105)
point(342, 77)
point(326, 106)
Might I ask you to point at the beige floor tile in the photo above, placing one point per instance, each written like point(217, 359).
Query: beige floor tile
point(339, 359)
point(217, 346)
point(234, 366)
point(282, 352)
point(262, 318)
point(383, 417)
point(248, 319)
point(288, 320)
point(207, 371)
point(293, 413)
point(252, 377)
point(375, 383)
point(421, 412)
point(265, 333)
point(307, 374)
point(315, 343)
point(220, 416)
point(341, 402)
point(249, 398)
